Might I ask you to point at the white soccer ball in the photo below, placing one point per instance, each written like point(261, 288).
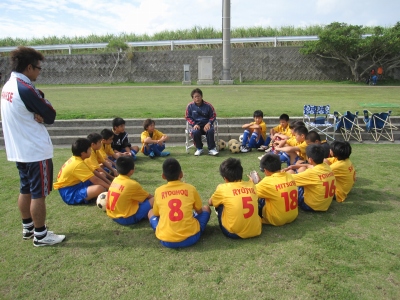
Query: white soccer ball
point(232, 141)
point(101, 201)
point(235, 148)
point(221, 145)
point(241, 138)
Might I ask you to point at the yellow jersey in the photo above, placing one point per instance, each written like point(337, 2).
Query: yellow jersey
point(286, 131)
point(72, 172)
point(145, 134)
point(124, 196)
point(319, 186)
point(345, 175)
point(240, 214)
point(280, 193)
point(174, 203)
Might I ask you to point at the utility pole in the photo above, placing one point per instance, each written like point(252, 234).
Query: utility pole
point(226, 43)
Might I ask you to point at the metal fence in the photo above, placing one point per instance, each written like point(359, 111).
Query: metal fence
point(275, 40)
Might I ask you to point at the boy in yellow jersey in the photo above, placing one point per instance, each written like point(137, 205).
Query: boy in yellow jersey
point(153, 140)
point(76, 183)
point(291, 151)
point(236, 202)
point(128, 203)
point(106, 149)
point(343, 169)
point(316, 185)
point(276, 132)
point(254, 133)
point(172, 217)
point(277, 193)
point(93, 161)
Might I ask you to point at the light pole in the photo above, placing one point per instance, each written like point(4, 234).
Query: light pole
point(226, 43)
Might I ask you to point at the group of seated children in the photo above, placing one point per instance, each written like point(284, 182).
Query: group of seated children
point(92, 167)
point(176, 212)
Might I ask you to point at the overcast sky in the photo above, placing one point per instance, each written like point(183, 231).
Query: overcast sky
point(42, 18)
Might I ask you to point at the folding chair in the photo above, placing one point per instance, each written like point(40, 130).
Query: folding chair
point(347, 124)
point(189, 143)
point(318, 118)
point(379, 125)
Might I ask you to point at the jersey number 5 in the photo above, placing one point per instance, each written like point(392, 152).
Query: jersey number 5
point(248, 205)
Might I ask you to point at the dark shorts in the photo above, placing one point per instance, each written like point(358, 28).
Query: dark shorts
point(36, 178)
point(203, 219)
point(141, 214)
point(75, 194)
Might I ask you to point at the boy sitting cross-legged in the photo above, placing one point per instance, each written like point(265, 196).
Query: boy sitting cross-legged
point(76, 183)
point(172, 217)
point(153, 140)
point(317, 185)
point(277, 193)
point(293, 150)
point(128, 203)
point(106, 149)
point(254, 133)
point(236, 202)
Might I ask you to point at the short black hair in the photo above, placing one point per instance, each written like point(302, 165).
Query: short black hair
point(106, 133)
point(231, 169)
point(316, 152)
point(94, 138)
point(117, 122)
point(284, 117)
point(125, 164)
point(198, 91)
point(270, 162)
point(295, 124)
point(327, 148)
point(79, 146)
point(258, 113)
point(22, 57)
point(301, 130)
point(147, 123)
point(313, 136)
point(341, 150)
point(171, 169)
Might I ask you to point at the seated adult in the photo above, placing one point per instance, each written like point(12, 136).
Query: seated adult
point(201, 116)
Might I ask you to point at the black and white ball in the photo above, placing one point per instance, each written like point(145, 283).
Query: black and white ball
point(101, 201)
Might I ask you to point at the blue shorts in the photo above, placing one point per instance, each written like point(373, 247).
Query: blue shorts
point(301, 202)
point(203, 219)
point(75, 194)
point(141, 214)
point(36, 178)
point(228, 234)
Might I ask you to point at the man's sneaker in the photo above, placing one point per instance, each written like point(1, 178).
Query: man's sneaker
point(213, 152)
point(166, 153)
point(198, 152)
point(27, 234)
point(50, 239)
point(245, 149)
point(151, 154)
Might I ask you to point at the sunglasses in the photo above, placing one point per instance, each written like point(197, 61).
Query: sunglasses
point(36, 67)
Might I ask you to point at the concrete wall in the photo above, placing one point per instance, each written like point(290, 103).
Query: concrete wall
point(282, 63)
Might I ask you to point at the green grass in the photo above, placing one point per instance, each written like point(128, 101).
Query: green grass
point(350, 252)
point(134, 101)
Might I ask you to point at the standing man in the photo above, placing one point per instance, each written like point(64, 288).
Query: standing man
point(201, 116)
point(24, 111)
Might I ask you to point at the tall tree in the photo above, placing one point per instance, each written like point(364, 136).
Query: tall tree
point(346, 43)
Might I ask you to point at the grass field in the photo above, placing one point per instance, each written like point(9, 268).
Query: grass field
point(350, 252)
point(133, 101)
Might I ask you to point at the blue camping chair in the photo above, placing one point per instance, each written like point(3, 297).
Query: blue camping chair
point(347, 124)
point(318, 118)
point(379, 125)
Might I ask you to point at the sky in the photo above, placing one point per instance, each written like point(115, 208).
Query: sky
point(46, 18)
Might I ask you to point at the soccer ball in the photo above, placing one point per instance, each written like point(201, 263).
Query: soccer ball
point(235, 148)
point(101, 201)
point(221, 145)
point(232, 141)
point(241, 138)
